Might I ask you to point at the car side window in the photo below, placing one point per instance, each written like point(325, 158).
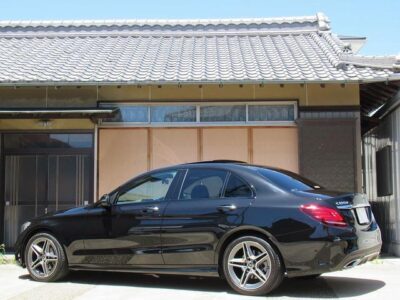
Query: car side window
point(203, 184)
point(153, 188)
point(236, 187)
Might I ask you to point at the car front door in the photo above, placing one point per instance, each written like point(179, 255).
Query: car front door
point(129, 230)
point(209, 203)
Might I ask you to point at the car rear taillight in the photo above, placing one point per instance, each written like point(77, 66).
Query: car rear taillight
point(324, 214)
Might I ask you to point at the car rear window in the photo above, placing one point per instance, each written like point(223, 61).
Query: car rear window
point(287, 180)
point(236, 187)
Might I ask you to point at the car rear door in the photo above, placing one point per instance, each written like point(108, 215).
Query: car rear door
point(209, 203)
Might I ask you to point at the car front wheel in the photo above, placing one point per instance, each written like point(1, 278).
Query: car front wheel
point(45, 258)
point(251, 266)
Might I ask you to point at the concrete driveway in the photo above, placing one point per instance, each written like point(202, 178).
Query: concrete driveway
point(376, 280)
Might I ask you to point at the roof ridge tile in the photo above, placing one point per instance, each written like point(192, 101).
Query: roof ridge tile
point(160, 22)
point(317, 22)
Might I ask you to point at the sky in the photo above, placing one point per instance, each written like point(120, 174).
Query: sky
point(378, 20)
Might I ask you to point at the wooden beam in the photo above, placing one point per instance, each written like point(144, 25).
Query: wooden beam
point(149, 148)
point(200, 144)
point(250, 144)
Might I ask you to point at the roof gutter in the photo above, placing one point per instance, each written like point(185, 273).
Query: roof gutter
point(393, 77)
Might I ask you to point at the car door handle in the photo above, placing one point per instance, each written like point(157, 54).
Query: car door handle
point(150, 209)
point(228, 207)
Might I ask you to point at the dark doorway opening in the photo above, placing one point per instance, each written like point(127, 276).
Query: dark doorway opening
point(43, 172)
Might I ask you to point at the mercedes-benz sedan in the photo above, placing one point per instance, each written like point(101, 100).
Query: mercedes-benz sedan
point(251, 225)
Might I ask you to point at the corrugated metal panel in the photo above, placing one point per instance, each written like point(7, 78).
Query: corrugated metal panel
point(386, 208)
point(328, 154)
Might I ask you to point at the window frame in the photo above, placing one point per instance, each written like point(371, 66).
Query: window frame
point(198, 108)
point(182, 182)
point(117, 105)
point(46, 149)
point(174, 105)
point(142, 179)
point(198, 123)
point(251, 187)
point(283, 103)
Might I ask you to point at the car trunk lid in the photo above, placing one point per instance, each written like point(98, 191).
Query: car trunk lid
point(355, 206)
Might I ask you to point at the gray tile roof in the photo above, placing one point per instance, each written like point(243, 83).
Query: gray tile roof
point(293, 49)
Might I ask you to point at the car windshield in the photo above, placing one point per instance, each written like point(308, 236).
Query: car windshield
point(287, 180)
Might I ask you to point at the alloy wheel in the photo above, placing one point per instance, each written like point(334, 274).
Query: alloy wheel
point(249, 265)
point(42, 257)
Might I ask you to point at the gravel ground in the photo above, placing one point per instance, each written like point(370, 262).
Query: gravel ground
point(375, 280)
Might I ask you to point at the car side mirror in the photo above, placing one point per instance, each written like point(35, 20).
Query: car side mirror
point(105, 201)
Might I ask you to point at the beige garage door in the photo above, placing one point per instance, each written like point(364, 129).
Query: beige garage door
point(122, 153)
point(173, 146)
point(126, 152)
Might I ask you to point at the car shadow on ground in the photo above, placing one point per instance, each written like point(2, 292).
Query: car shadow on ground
point(327, 287)
point(322, 287)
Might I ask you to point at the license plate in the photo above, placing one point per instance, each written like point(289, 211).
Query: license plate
point(362, 215)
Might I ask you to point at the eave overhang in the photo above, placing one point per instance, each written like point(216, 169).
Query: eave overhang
point(57, 113)
point(393, 77)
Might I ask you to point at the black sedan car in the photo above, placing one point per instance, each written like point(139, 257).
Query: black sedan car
point(251, 225)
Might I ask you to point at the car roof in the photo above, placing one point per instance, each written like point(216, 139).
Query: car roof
point(223, 163)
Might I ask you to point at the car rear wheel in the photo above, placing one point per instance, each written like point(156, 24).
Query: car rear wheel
point(45, 258)
point(251, 266)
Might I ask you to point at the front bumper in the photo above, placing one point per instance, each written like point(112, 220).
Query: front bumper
point(19, 249)
point(19, 260)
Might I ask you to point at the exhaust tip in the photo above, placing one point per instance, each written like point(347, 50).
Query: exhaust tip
point(352, 264)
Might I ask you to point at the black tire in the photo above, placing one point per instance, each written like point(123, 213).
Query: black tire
point(272, 281)
point(60, 265)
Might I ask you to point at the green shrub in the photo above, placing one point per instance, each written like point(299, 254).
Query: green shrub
point(3, 258)
point(2, 254)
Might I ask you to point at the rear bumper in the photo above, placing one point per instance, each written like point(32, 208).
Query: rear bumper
point(359, 257)
point(366, 247)
point(339, 254)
